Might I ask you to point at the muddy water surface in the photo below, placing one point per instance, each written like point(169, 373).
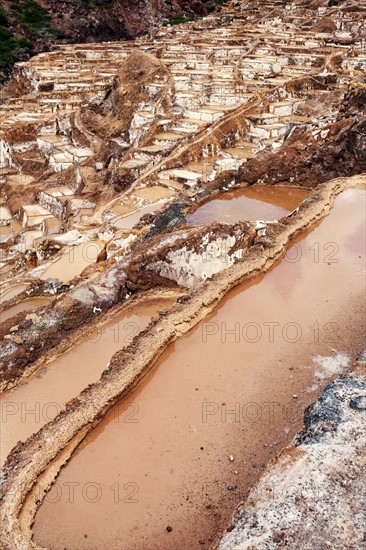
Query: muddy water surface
point(185, 446)
point(11, 293)
point(26, 305)
point(127, 222)
point(74, 261)
point(250, 203)
point(29, 406)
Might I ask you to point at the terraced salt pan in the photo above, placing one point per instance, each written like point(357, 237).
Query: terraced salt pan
point(250, 203)
point(186, 445)
point(127, 222)
point(29, 406)
point(73, 262)
point(122, 208)
point(154, 193)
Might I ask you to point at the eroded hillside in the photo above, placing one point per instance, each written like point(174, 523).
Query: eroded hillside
point(28, 26)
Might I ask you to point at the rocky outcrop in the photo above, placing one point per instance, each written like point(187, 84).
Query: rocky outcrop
point(125, 118)
point(117, 114)
point(313, 155)
point(105, 20)
point(319, 481)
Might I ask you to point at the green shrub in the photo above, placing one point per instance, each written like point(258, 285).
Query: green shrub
point(57, 33)
point(11, 50)
point(33, 17)
point(4, 20)
point(5, 35)
point(178, 19)
point(92, 3)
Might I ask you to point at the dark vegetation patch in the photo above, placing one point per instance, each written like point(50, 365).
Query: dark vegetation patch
point(21, 26)
point(28, 28)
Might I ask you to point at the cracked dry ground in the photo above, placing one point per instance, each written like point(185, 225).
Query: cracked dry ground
point(143, 396)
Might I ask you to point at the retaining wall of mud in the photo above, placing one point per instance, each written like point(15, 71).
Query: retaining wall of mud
point(34, 335)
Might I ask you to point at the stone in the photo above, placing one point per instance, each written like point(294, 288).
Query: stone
point(358, 403)
point(171, 218)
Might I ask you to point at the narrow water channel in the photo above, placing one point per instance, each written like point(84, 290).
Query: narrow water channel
point(166, 467)
point(250, 203)
point(26, 408)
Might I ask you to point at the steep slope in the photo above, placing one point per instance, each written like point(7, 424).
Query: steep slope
point(28, 27)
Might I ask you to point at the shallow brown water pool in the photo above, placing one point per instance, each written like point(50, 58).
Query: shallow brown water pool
point(12, 292)
point(250, 203)
point(73, 261)
point(25, 305)
point(186, 445)
point(26, 408)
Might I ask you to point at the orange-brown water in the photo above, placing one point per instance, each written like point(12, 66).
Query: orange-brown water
point(25, 305)
point(10, 293)
point(187, 443)
point(35, 402)
point(73, 262)
point(249, 203)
